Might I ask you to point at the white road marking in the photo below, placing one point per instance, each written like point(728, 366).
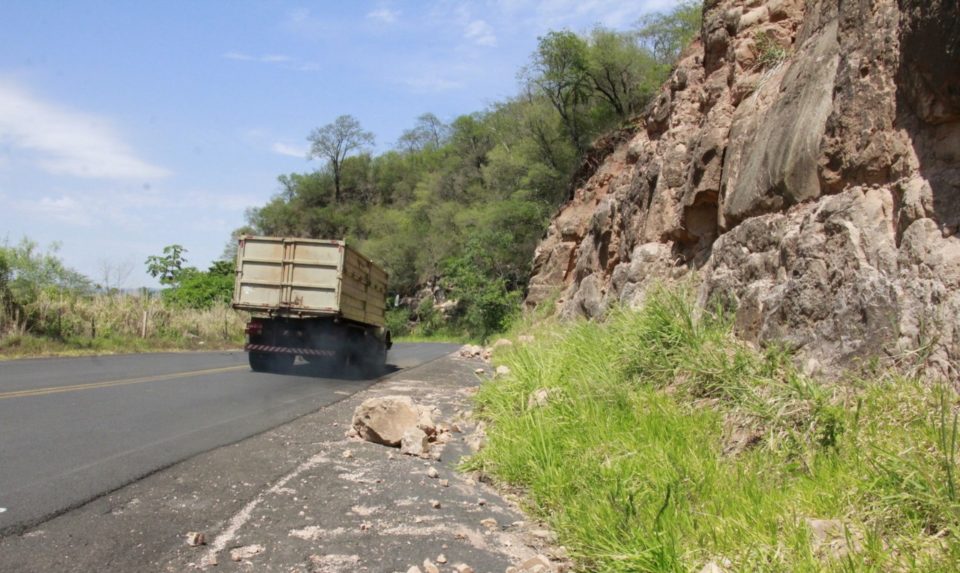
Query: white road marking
point(243, 516)
point(3, 509)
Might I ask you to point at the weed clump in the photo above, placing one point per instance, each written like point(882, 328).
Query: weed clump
point(667, 444)
point(769, 53)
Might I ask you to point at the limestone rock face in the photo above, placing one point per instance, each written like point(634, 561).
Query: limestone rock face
point(818, 195)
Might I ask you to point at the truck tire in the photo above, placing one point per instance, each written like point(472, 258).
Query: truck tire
point(269, 362)
point(374, 358)
point(259, 361)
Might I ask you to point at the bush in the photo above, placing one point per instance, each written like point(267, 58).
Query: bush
point(398, 322)
point(769, 52)
point(488, 302)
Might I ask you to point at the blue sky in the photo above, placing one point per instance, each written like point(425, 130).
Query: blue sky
point(127, 126)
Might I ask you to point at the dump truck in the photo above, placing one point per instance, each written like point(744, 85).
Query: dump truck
point(317, 299)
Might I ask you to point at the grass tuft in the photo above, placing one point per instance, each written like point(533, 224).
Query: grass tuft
point(666, 443)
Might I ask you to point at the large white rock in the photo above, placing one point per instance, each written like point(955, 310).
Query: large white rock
point(384, 420)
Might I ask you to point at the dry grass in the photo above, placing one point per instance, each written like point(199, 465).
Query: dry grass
point(55, 324)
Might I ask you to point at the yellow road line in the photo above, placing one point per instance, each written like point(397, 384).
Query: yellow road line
point(110, 383)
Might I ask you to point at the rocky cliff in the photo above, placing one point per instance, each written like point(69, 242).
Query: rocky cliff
point(803, 163)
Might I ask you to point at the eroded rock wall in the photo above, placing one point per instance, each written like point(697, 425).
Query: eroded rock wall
point(818, 194)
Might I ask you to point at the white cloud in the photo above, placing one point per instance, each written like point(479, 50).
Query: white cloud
point(481, 33)
point(63, 209)
point(266, 59)
point(385, 15)
point(67, 142)
point(289, 150)
point(282, 60)
point(433, 84)
point(305, 67)
point(302, 23)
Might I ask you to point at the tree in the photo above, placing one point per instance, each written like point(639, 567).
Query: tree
point(230, 249)
point(26, 273)
point(198, 289)
point(622, 73)
point(666, 35)
point(559, 71)
point(429, 132)
point(114, 276)
point(169, 267)
point(335, 141)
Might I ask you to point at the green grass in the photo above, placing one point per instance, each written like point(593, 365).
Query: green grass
point(632, 459)
point(453, 337)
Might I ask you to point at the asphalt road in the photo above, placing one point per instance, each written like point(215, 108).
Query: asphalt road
point(72, 429)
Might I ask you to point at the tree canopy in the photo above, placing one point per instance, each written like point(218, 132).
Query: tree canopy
point(462, 204)
point(335, 141)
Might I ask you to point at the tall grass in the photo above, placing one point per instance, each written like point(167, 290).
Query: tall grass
point(666, 444)
point(56, 324)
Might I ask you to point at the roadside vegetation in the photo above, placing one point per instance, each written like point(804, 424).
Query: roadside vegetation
point(656, 441)
point(456, 208)
point(459, 206)
point(49, 309)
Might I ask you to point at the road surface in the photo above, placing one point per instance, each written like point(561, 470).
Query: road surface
point(72, 429)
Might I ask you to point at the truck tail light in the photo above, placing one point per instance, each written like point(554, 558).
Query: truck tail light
point(254, 328)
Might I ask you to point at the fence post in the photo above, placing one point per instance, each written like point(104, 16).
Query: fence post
point(143, 326)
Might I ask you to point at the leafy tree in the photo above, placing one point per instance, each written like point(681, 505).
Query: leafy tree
point(489, 303)
point(198, 289)
point(335, 141)
point(26, 272)
point(464, 204)
point(189, 286)
point(30, 270)
point(429, 132)
point(559, 72)
point(622, 73)
point(169, 267)
point(230, 249)
point(666, 34)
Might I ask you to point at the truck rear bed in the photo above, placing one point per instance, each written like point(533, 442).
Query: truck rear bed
point(301, 278)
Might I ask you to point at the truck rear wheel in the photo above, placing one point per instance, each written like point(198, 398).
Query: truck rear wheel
point(269, 362)
point(374, 358)
point(259, 362)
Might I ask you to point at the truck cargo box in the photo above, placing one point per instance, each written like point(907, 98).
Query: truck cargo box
point(303, 278)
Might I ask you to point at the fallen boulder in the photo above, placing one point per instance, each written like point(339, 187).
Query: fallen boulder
point(384, 420)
